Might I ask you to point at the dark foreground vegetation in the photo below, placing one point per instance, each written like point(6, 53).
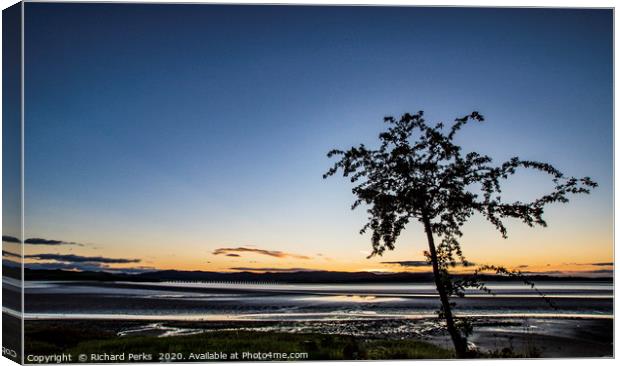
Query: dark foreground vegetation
point(517, 339)
point(48, 338)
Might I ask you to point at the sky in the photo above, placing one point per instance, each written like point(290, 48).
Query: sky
point(194, 137)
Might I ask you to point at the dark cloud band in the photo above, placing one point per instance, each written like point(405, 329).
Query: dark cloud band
point(10, 239)
point(71, 258)
point(38, 241)
point(41, 241)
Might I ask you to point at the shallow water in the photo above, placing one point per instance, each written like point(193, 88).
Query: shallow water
point(305, 302)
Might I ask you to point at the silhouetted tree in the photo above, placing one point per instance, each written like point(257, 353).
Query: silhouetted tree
point(418, 173)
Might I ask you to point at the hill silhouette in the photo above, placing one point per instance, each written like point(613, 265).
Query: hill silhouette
point(287, 277)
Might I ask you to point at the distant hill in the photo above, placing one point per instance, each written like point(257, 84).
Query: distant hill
point(288, 277)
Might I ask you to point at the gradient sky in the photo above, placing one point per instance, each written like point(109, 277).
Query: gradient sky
point(163, 133)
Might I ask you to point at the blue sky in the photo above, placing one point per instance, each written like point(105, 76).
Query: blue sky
point(165, 132)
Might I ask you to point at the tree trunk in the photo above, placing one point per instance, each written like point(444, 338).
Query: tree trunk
point(460, 345)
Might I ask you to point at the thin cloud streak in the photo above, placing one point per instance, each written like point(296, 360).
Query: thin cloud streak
point(596, 272)
point(71, 258)
point(271, 269)
point(409, 263)
point(41, 241)
point(598, 264)
point(418, 263)
point(11, 254)
point(271, 253)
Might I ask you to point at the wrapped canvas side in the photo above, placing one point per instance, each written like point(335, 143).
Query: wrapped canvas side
point(12, 197)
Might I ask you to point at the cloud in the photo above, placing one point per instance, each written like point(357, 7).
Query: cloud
point(420, 263)
point(597, 264)
point(10, 239)
point(11, 254)
point(409, 263)
point(272, 269)
point(601, 271)
point(271, 253)
point(65, 266)
point(593, 273)
point(40, 241)
point(71, 258)
point(71, 262)
point(232, 255)
point(523, 266)
point(88, 266)
point(56, 265)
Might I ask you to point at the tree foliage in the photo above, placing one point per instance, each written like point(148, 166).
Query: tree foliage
point(419, 173)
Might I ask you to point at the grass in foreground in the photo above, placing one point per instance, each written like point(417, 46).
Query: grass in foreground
point(317, 346)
